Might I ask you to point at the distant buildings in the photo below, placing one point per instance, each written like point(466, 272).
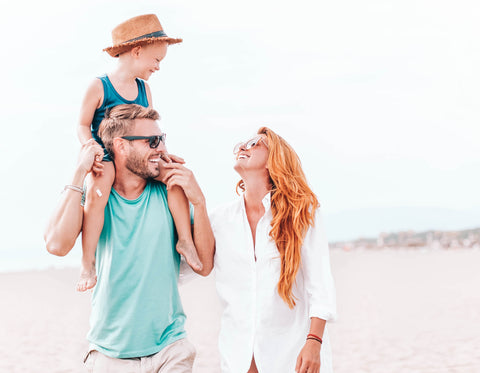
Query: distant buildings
point(469, 238)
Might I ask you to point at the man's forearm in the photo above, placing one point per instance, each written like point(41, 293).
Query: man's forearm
point(203, 238)
point(66, 221)
point(178, 174)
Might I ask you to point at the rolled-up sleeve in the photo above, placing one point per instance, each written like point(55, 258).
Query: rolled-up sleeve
point(318, 277)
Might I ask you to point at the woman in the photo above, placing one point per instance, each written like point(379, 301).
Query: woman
point(272, 266)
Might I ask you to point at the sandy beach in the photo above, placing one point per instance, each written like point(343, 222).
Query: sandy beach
point(398, 311)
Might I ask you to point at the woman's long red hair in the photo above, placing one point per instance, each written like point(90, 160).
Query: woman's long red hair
point(293, 207)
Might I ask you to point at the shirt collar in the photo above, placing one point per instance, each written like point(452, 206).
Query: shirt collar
point(266, 202)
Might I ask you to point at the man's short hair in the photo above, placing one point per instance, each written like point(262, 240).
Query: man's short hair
point(120, 120)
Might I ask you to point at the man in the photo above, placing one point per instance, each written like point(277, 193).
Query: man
point(137, 319)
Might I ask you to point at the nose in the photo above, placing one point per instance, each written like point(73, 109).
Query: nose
point(157, 66)
point(161, 148)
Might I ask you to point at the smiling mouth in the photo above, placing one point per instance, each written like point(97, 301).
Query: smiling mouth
point(242, 156)
point(154, 160)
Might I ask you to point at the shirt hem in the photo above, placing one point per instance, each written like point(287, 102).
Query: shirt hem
point(134, 354)
point(327, 316)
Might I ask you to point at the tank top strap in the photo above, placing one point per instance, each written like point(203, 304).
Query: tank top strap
point(108, 90)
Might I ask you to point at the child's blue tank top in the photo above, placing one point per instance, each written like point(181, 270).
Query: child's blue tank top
point(112, 98)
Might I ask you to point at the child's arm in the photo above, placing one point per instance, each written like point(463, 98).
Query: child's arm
point(93, 100)
point(149, 95)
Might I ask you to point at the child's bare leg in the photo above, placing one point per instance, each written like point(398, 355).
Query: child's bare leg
point(178, 204)
point(98, 191)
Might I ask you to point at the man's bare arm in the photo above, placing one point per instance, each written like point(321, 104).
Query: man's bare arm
point(203, 237)
point(65, 223)
point(177, 174)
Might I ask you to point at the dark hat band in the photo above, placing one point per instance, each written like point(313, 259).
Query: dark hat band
point(156, 34)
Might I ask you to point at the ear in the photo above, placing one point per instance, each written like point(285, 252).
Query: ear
point(120, 146)
point(135, 51)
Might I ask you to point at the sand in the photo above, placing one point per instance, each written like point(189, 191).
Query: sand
point(399, 311)
point(407, 311)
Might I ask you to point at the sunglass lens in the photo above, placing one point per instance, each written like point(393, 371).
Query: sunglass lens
point(236, 148)
point(251, 143)
point(155, 141)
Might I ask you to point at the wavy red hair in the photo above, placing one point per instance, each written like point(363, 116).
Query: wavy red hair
point(293, 206)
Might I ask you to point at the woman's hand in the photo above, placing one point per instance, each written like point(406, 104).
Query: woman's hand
point(308, 360)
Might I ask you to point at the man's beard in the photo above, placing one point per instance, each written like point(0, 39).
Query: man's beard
point(137, 165)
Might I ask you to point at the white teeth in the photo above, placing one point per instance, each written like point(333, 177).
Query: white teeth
point(154, 160)
point(243, 156)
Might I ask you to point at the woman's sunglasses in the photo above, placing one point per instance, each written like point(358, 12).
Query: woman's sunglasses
point(153, 141)
point(247, 145)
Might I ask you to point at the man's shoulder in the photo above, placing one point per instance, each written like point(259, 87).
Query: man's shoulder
point(157, 188)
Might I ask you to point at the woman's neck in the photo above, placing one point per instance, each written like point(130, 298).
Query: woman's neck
point(255, 190)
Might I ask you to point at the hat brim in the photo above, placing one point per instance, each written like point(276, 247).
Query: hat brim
point(116, 50)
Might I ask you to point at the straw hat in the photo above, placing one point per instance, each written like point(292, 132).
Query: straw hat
point(137, 31)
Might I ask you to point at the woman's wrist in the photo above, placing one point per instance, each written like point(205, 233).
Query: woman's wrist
point(316, 340)
point(313, 342)
point(315, 333)
point(315, 337)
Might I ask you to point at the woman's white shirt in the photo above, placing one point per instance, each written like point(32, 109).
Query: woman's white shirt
point(256, 321)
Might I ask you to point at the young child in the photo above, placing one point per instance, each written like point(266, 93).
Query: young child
point(140, 44)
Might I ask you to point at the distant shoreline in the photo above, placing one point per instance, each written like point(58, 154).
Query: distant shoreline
point(431, 239)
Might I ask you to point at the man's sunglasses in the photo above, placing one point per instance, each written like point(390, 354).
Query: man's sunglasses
point(153, 141)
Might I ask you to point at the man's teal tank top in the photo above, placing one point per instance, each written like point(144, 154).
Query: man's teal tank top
point(136, 306)
point(112, 98)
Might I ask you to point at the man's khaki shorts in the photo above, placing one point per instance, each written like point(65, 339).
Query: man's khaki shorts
point(177, 357)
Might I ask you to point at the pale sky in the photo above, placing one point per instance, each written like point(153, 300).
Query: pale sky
point(380, 99)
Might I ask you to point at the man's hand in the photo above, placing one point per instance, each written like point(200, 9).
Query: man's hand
point(166, 158)
point(90, 158)
point(178, 174)
point(172, 158)
point(309, 358)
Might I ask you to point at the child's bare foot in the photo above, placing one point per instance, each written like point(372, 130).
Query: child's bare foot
point(88, 278)
point(188, 250)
